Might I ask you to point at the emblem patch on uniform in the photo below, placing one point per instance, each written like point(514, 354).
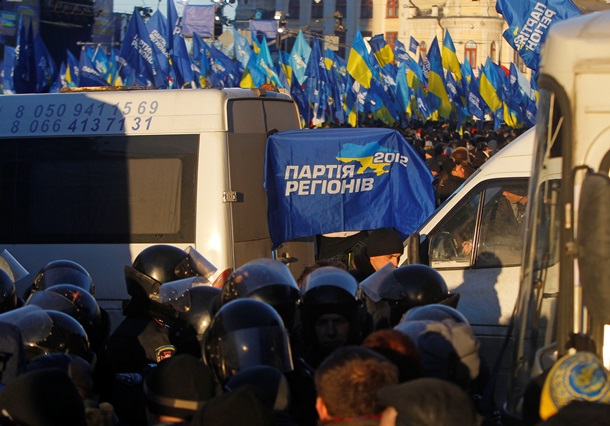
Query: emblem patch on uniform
point(164, 352)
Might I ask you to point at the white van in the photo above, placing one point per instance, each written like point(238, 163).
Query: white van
point(98, 176)
point(475, 241)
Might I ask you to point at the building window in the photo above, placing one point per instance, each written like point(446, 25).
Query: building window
point(392, 8)
point(493, 52)
point(519, 62)
point(317, 10)
point(366, 9)
point(391, 38)
point(423, 49)
point(470, 53)
point(294, 9)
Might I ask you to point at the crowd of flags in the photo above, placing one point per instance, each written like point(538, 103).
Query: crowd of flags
point(376, 81)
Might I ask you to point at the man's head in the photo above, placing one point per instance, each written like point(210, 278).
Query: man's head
point(384, 246)
point(332, 331)
point(347, 382)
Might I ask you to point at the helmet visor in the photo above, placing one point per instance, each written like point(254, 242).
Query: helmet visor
point(177, 293)
point(195, 264)
point(251, 347)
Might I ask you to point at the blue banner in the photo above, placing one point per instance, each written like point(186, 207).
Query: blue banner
point(329, 180)
point(199, 19)
point(529, 22)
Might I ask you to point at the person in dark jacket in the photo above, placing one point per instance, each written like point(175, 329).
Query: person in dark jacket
point(383, 246)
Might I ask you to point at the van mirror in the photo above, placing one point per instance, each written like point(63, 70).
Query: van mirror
point(413, 248)
point(594, 244)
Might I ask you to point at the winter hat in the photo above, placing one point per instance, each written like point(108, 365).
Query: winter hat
point(178, 386)
point(580, 376)
point(242, 406)
point(429, 401)
point(384, 241)
point(43, 398)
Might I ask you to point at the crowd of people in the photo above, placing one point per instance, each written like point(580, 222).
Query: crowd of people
point(342, 344)
point(355, 339)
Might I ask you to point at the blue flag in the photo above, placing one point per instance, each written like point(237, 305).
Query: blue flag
point(9, 63)
point(223, 71)
point(178, 54)
point(46, 69)
point(529, 22)
point(413, 45)
point(329, 180)
point(24, 71)
point(157, 31)
point(299, 57)
point(242, 47)
point(201, 56)
point(198, 19)
point(137, 51)
point(400, 54)
point(316, 86)
point(88, 75)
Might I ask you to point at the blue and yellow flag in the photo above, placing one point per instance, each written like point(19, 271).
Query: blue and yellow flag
point(381, 50)
point(450, 59)
point(489, 86)
point(436, 82)
point(358, 63)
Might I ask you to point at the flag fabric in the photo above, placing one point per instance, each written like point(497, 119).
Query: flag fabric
point(299, 57)
point(284, 68)
point(138, 52)
point(72, 69)
point(252, 76)
point(402, 89)
point(413, 45)
point(7, 69)
point(265, 63)
point(381, 50)
point(264, 28)
point(358, 62)
point(489, 86)
point(201, 58)
point(223, 71)
point(450, 59)
point(475, 104)
point(198, 19)
point(400, 54)
point(102, 64)
point(436, 81)
point(46, 69)
point(24, 71)
point(331, 180)
point(316, 86)
point(157, 32)
point(178, 54)
point(528, 24)
point(88, 75)
point(242, 47)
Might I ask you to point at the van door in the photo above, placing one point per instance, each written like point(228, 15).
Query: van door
point(249, 122)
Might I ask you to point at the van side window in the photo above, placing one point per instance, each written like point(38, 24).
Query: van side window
point(502, 226)
point(486, 235)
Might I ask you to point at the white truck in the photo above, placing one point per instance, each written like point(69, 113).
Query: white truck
point(565, 281)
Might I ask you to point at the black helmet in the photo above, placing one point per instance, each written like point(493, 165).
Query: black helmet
point(79, 304)
point(157, 265)
point(434, 312)
point(267, 280)
point(196, 302)
point(48, 331)
point(390, 292)
point(331, 290)
point(63, 272)
point(246, 333)
point(8, 293)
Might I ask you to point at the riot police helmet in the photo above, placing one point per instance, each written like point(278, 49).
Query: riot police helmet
point(195, 302)
point(434, 312)
point(63, 272)
point(8, 293)
point(78, 304)
point(267, 280)
point(390, 292)
point(331, 290)
point(49, 331)
point(245, 333)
